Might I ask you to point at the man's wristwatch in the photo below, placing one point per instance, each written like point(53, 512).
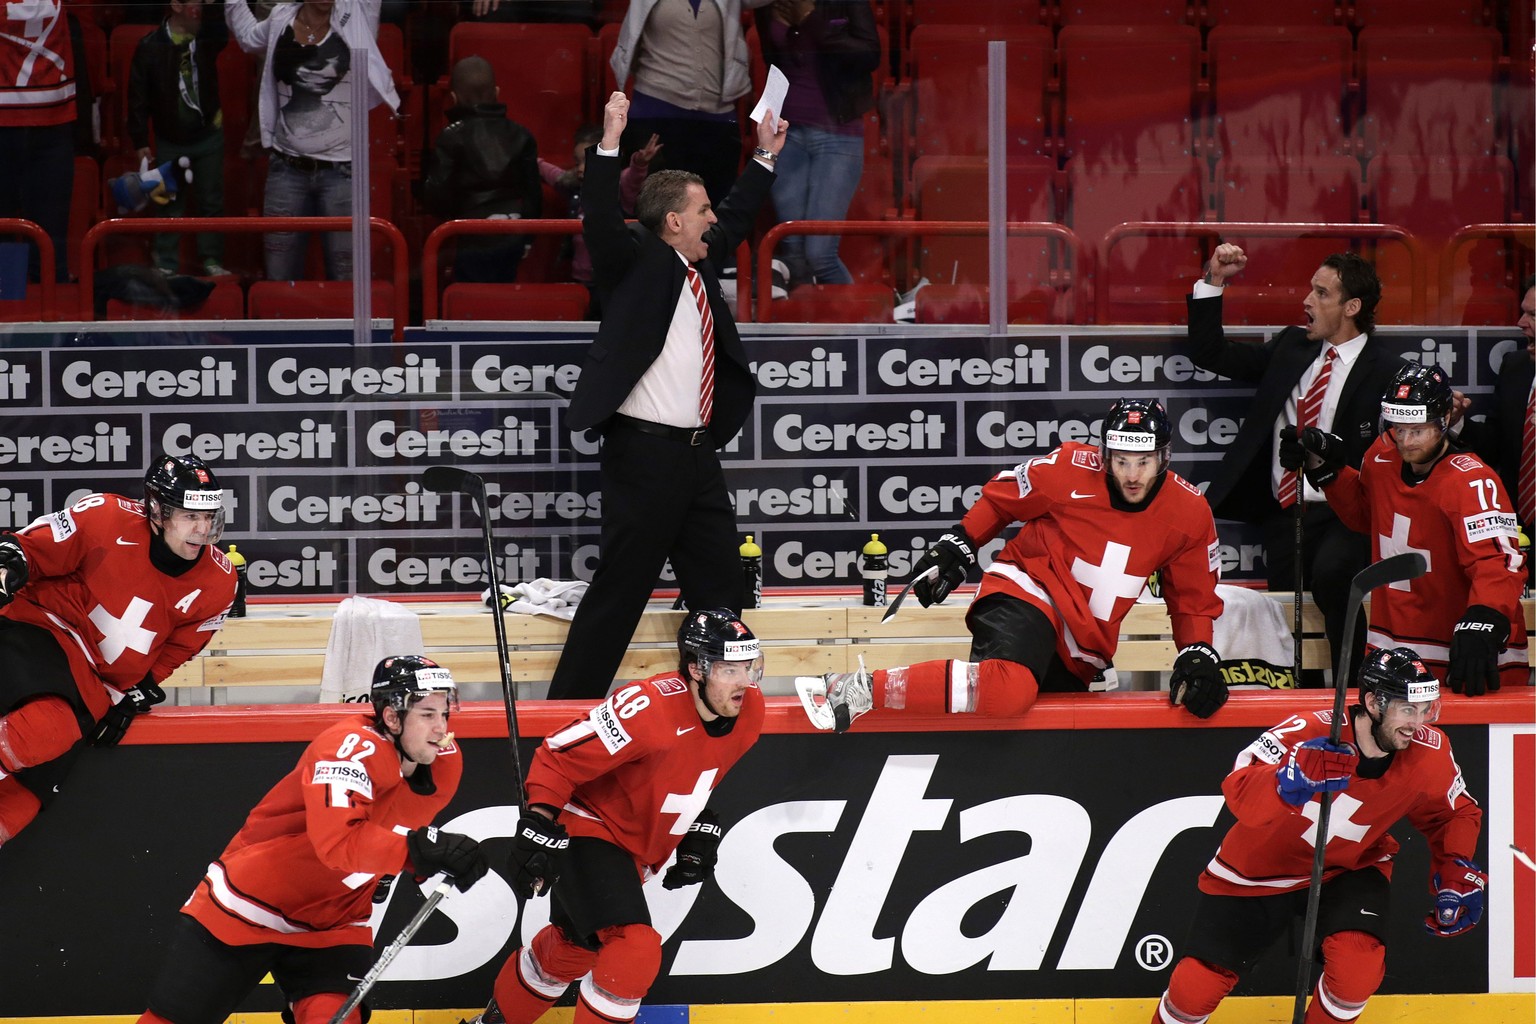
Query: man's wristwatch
point(763, 154)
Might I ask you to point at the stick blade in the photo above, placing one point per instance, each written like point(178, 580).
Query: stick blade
point(452, 480)
point(1399, 568)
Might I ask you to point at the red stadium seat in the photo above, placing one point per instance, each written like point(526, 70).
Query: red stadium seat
point(834, 304)
point(955, 188)
point(1124, 12)
point(999, 13)
point(311, 300)
point(541, 71)
point(84, 208)
point(225, 302)
point(1149, 277)
point(1449, 13)
point(1273, 12)
point(1324, 190)
point(1432, 197)
point(1279, 92)
point(970, 304)
point(1128, 93)
point(515, 302)
point(949, 63)
point(1429, 90)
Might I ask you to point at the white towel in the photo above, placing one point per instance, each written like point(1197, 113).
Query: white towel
point(543, 596)
point(365, 631)
point(1253, 638)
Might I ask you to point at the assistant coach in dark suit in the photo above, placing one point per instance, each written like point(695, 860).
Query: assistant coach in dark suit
point(1248, 484)
point(1501, 439)
point(668, 383)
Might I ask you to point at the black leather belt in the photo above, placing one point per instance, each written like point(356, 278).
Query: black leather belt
point(309, 163)
point(687, 435)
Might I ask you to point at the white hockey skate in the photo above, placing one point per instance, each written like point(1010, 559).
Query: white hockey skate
point(834, 700)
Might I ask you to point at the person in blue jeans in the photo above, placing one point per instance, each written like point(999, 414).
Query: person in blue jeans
point(829, 50)
point(306, 115)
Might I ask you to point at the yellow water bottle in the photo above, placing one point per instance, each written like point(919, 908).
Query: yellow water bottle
point(751, 573)
point(875, 567)
point(236, 559)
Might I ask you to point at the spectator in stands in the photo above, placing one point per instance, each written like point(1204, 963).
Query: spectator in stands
point(584, 12)
point(689, 59)
point(1506, 439)
point(828, 49)
point(173, 87)
point(1256, 481)
point(485, 165)
point(305, 109)
point(567, 182)
point(37, 122)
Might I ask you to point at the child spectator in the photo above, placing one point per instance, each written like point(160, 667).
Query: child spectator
point(173, 87)
point(568, 184)
point(484, 166)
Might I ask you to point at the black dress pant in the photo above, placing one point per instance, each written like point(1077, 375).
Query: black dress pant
point(1332, 554)
point(662, 498)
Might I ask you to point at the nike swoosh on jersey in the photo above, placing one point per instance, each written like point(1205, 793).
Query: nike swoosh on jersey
point(1076, 495)
point(1377, 458)
point(128, 543)
point(689, 729)
point(1370, 913)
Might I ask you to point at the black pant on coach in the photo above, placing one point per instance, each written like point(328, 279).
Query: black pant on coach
point(1332, 554)
point(661, 498)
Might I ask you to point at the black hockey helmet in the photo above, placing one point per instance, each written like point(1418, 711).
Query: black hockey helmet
point(717, 634)
point(400, 681)
point(183, 482)
point(1139, 426)
point(1397, 673)
point(1419, 393)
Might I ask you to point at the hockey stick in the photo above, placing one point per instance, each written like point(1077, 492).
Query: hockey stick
point(895, 607)
point(451, 480)
point(1409, 565)
point(392, 950)
point(1301, 511)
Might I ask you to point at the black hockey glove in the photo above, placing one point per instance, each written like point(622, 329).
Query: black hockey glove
point(136, 701)
point(13, 569)
point(1196, 681)
point(1327, 456)
point(537, 855)
point(696, 854)
point(1475, 645)
point(953, 555)
point(458, 855)
point(1291, 454)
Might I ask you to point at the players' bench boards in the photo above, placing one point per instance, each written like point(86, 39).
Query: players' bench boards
point(285, 644)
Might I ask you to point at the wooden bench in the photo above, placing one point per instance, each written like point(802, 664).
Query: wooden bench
point(284, 645)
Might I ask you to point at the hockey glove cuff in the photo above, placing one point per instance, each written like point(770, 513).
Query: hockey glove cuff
point(696, 853)
point(537, 855)
point(459, 856)
point(136, 701)
point(1196, 681)
point(1291, 454)
point(1458, 887)
point(1475, 645)
point(953, 554)
point(1326, 456)
point(1314, 767)
point(13, 569)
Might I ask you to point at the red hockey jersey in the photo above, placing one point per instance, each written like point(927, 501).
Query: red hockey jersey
point(1459, 517)
point(1270, 848)
point(637, 770)
point(1093, 559)
point(116, 616)
point(303, 868)
point(37, 65)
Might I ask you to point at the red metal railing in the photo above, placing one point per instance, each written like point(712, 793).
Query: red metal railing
point(47, 282)
point(431, 300)
point(908, 229)
point(1519, 234)
point(1254, 229)
point(245, 226)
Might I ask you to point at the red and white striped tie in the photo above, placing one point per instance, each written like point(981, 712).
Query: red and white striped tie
point(707, 332)
point(1307, 415)
point(1527, 479)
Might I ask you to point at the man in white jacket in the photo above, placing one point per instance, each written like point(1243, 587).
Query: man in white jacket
point(305, 110)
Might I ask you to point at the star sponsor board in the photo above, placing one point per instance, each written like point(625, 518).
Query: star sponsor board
point(348, 501)
point(536, 369)
point(793, 494)
point(21, 380)
point(22, 499)
point(281, 566)
point(36, 442)
point(871, 429)
point(1429, 347)
point(823, 557)
point(940, 492)
point(1154, 362)
point(147, 376)
point(961, 365)
point(450, 565)
point(790, 366)
point(264, 438)
point(463, 435)
point(330, 373)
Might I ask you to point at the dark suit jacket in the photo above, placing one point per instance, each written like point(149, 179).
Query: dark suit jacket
point(1497, 439)
point(1240, 488)
point(638, 279)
